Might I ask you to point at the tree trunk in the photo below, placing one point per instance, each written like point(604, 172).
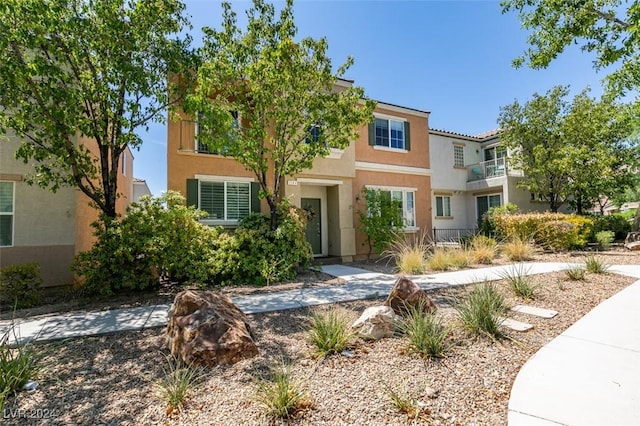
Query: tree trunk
point(579, 211)
point(636, 221)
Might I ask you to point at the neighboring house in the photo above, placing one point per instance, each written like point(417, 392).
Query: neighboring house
point(471, 174)
point(391, 154)
point(140, 188)
point(39, 226)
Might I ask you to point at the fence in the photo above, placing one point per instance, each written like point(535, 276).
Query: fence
point(451, 235)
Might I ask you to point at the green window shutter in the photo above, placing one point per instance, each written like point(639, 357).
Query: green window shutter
point(192, 192)
point(372, 133)
point(407, 136)
point(255, 199)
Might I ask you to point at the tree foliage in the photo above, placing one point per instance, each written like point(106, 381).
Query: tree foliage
point(284, 93)
point(606, 28)
point(380, 220)
point(91, 69)
point(580, 149)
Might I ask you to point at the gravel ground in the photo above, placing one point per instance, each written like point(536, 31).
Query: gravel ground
point(109, 380)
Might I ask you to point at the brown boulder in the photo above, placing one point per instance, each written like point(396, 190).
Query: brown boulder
point(206, 328)
point(407, 294)
point(632, 242)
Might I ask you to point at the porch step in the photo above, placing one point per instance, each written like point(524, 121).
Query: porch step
point(329, 260)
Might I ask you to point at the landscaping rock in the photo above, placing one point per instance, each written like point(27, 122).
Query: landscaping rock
point(406, 294)
point(375, 323)
point(206, 328)
point(632, 242)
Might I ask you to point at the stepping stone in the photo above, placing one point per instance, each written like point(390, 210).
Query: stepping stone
point(533, 310)
point(515, 325)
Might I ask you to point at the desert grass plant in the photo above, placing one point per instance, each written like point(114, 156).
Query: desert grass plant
point(281, 395)
point(426, 333)
point(605, 239)
point(409, 253)
point(440, 260)
point(575, 273)
point(329, 332)
point(595, 265)
point(460, 259)
point(483, 249)
point(480, 311)
point(177, 383)
point(518, 249)
point(19, 363)
point(520, 281)
point(405, 403)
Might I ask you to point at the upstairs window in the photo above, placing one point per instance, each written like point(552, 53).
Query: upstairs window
point(389, 133)
point(6, 213)
point(458, 156)
point(201, 125)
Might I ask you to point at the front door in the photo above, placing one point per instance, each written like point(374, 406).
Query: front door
point(314, 229)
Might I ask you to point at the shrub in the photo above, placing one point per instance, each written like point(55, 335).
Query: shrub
point(605, 238)
point(552, 231)
point(20, 285)
point(520, 281)
point(575, 273)
point(281, 395)
point(483, 249)
point(329, 332)
point(518, 249)
point(618, 223)
point(257, 255)
point(176, 384)
point(157, 236)
point(481, 310)
point(488, 224)
point(405, 403)
point(595, 265)
point(380, 220)
point(460, 258)
point(409, 253)
point(17, 366)
point(425, 332)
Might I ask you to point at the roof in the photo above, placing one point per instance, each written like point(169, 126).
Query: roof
point(488, 134)
point(387, 105)
point(477, 138)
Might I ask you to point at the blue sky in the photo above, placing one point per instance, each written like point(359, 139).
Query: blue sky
point(452, 58)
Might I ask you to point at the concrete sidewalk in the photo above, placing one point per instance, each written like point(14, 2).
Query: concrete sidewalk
point(589, 375)
point(360, 284)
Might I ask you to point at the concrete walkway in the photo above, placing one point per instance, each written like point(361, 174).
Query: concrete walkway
point(589, 375)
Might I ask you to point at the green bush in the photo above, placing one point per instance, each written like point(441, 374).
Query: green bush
point(157, 236)
point(329, 332)
point(426, 333)
point(605, 238)
point(17, 365)
point(618, 223)
point(255, 254)
point(481, 310)
point(380, 220)
point(20, 285)
point(488, 224)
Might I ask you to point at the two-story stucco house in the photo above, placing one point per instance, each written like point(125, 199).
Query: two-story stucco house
point(470, 174)
point(391, 154)
point(39, 226)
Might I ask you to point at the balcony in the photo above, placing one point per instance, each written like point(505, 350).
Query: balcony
point(487, 169)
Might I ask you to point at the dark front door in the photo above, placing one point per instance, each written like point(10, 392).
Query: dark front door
point(314, 229)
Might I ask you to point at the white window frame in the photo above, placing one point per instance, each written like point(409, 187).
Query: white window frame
point(389, 119)
point(458, 155)
point(446, 208)
point(12, 213)
point(123, 160)
point(225, 181)
point(488, 202)
point(408, 215)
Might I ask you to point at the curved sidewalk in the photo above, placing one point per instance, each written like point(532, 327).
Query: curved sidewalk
point(590, 374)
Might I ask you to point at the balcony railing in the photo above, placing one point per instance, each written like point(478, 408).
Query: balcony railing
point(487, 169)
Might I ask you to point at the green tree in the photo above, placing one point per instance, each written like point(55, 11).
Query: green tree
point(577, 150)
point(96, 70)
point(380, 220)
point(606, 28)
point(271, 102)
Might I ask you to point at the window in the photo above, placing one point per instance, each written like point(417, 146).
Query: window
point(406, 205)
point(6, 213)
point(123, 160)
point(201, 126)
point(443, 206)
point(494, 153)
point(458, 156)
point(485, 202)
point(390, 133)
point(315, 132)
point(225, 200)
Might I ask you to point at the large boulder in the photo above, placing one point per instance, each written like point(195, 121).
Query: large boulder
point(632, 242)
point(375, 323)
point(405, 294)
point(206, 328)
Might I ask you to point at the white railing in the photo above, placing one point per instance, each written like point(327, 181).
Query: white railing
point(487, 169)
